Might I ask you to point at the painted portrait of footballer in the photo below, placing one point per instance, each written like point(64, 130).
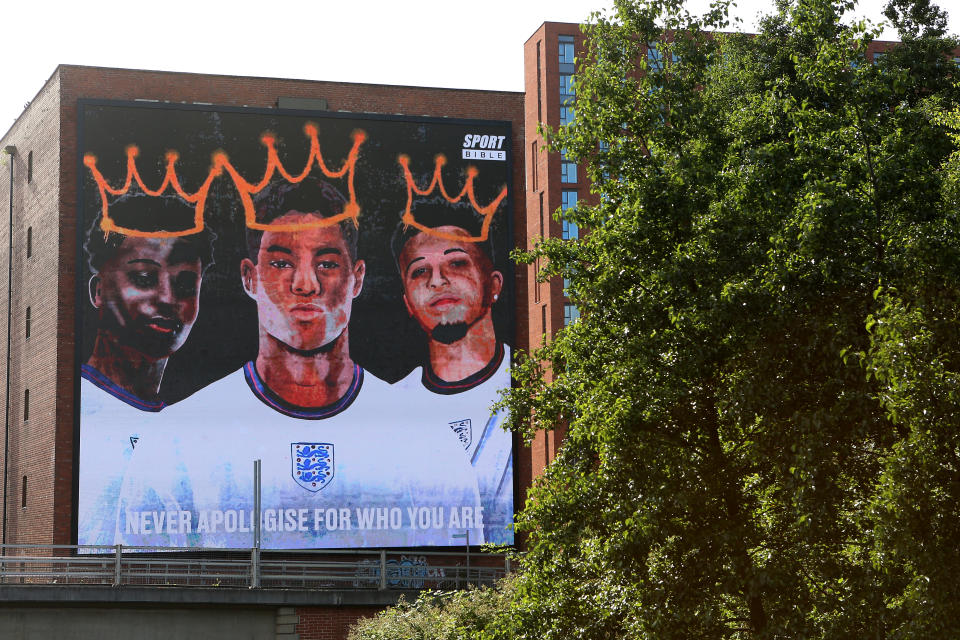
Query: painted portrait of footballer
point(449, 288)
point(145, 292)
point(366, 396)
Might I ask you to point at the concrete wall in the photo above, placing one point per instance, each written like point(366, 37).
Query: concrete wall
point(142, 624)
point(91, 611)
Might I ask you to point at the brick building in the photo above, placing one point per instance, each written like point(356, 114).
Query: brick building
point(39, 180)
point(43, 204)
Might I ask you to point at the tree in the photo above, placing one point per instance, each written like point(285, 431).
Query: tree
point(761, 393)
point(439, 615)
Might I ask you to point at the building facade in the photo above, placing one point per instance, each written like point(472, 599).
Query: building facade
point(41, 179)
point(42, 252)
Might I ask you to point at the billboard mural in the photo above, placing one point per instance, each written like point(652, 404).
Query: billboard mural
point(328, 293)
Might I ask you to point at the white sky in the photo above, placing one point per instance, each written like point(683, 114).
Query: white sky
point(446, 43)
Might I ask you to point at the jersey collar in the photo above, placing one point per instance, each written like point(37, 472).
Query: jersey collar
point(118, 392)
point(435, 384)
point(275, 402)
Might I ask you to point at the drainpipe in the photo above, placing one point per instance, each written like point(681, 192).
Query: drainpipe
point(11, 152)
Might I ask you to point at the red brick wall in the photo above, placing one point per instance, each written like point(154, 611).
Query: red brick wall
point(330, 623)
point(32, 451)
point(544, 300)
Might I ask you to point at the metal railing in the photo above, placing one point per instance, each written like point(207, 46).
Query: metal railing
point(120, 566)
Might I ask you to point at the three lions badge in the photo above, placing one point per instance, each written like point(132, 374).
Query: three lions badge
point(312, 464)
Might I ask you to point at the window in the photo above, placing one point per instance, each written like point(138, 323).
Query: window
point(26, 404)
point(23, 493)
point(566, 49)
point(877, 57)
point(543, 320)
point(30, 166)
point(536, 283)
point(566, 286)
point(568, 200)
point(533, 163)
point(568, 169)
point(654, 58)
point(567, 95)
point(543, 229)
point(570, 314)
point(567, 91)
point(27, 323)
point(539, 93)
point(29, 241)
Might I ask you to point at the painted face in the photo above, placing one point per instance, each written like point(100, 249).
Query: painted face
point(447, 282)
point(148, 294)
point(304, 283)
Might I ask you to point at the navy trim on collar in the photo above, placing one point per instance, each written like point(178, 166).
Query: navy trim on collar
point(275, 402)
point(118, 392)
point(435, 384)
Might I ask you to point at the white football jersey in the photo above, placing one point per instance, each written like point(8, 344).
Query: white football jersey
point(463, 407)
point(362, 472)
point(111, 422)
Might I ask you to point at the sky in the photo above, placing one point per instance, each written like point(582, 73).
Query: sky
point(445, 43)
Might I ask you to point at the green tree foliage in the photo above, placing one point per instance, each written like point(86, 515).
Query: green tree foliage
point(440, 615)
point(761, 396)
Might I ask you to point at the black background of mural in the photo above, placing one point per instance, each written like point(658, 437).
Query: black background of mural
point(383, 339)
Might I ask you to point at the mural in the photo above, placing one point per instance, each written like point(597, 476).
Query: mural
point(330, 294)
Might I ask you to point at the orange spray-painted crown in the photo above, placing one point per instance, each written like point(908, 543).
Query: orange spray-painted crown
point(437, 181)
point(221, 163)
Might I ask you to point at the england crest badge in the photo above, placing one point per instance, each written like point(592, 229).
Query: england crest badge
point(312, 464)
